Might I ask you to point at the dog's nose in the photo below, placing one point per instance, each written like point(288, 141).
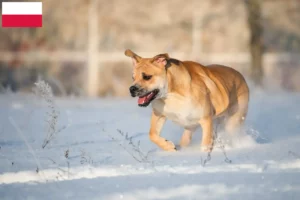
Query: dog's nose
point(133, 89)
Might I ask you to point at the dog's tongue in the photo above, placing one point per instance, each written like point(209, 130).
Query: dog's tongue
point(145, 99)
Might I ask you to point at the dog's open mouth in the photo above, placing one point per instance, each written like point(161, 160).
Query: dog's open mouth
point(146, 99)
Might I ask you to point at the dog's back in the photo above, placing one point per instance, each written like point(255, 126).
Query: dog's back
point(226, 84)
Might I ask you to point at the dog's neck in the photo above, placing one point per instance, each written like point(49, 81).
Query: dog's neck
point(175, 82)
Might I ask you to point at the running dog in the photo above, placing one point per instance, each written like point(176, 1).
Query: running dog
point(189, 94)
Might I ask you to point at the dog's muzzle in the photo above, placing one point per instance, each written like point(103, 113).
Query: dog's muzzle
point(133, 90)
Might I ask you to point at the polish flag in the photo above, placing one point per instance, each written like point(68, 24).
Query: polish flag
point(22, 14)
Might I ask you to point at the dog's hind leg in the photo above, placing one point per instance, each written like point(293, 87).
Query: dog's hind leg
point(207, 134)
point(186, 137)
point(237, 114)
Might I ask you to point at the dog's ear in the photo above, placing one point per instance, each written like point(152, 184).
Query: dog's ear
point(135, 58)
point(161, 59)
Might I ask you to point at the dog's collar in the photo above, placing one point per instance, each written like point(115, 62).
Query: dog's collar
point(170, 61)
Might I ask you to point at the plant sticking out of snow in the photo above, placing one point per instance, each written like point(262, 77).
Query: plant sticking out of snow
point(85, 158)
point(217, 142)
point(68, 163)
point(44, 91)
point(132, 148)
point(135, 147)
point(67, 153)
point(295, 155)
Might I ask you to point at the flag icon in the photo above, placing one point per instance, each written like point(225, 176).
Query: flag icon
point(22, 14)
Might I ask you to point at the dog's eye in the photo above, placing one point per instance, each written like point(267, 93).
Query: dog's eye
point(146, 77)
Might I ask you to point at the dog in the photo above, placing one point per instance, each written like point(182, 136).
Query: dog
point(190, 94)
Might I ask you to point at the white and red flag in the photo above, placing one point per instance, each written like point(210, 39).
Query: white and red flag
point(22, 14)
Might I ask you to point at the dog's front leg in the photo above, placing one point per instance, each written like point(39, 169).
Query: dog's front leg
point(157, 122)
point(207, 133)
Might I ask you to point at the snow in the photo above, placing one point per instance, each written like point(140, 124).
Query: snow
point(101, 164)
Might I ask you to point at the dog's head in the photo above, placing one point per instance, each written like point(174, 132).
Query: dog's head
point(149, 77)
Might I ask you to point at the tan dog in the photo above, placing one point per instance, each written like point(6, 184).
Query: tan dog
point(189, 94)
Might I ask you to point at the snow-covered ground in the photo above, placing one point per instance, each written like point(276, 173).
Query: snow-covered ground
point(92, 158)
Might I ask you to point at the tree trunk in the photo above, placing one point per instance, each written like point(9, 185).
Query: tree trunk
point(253, 8)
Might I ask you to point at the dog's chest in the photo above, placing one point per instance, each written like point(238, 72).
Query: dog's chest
point(179, 109)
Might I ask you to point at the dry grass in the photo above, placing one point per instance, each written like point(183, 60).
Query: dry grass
point(44, 91)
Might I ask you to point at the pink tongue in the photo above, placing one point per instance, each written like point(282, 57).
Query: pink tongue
point(145, 99)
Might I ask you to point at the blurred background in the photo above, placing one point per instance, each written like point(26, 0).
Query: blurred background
point(80, 48)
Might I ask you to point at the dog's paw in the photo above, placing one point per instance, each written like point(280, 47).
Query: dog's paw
point(170, 146)
point(206, 148)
